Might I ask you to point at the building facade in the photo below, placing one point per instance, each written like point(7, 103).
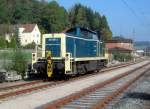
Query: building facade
point(29, 33)
point(122, 44)
point(120, 47)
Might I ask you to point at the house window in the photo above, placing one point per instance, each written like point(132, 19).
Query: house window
point(25, 40)
point(37, 35)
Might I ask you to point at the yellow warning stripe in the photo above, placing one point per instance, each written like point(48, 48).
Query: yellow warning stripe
point(49, 64)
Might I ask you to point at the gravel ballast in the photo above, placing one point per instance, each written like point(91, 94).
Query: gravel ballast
point(136, 97)
point(48, 95)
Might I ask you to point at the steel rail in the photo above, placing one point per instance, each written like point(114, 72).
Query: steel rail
point(63, 101)
point(39, 81)
point(114, 94)
point(24, 91)
point(21, 85)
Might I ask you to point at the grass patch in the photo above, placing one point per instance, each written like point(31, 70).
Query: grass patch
point(8, 55)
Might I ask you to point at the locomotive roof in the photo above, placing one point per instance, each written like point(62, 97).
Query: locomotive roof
point(81, 28)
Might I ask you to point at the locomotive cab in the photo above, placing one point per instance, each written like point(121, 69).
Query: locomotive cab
point(76, 51)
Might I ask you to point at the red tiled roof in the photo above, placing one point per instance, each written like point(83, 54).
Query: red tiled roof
point(120, 48)
point(27, 27)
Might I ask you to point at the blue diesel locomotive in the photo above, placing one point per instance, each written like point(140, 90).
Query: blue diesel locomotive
point(76, 51)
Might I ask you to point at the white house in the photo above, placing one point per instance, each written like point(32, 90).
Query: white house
point(29, 33)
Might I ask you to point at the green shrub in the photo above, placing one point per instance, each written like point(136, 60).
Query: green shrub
point(122, 57)
point(19, 62)
point(30, 46)
point(12, 43)
point(3, 43)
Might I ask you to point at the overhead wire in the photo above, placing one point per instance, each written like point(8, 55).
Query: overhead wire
point(142, 20)
point(134, 13)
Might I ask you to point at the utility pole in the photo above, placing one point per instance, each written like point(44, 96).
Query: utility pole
point(133, 34)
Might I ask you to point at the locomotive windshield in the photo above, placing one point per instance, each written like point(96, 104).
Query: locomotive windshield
point(53, 45)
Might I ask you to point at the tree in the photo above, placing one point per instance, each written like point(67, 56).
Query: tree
point(51, 17)
point(80, 15)
point(105, 34)
point(96, 21)
point(55, 18)
point(17, 38)
point(7, 64)
point(19, 62)
point(30, 46)
point(12, 43)
point(103, 22)
point(6, 13)
point(3, 43)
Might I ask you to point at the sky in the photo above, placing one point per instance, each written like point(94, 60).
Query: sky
point(129, 18)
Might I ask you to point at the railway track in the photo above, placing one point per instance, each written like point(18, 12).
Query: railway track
point(20, 85)
point(36, 85)
point(27, 89)
point(99, 95)
point(39, 81)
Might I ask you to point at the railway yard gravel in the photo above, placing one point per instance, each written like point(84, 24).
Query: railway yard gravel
point(35, 100)
point(136, 97)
